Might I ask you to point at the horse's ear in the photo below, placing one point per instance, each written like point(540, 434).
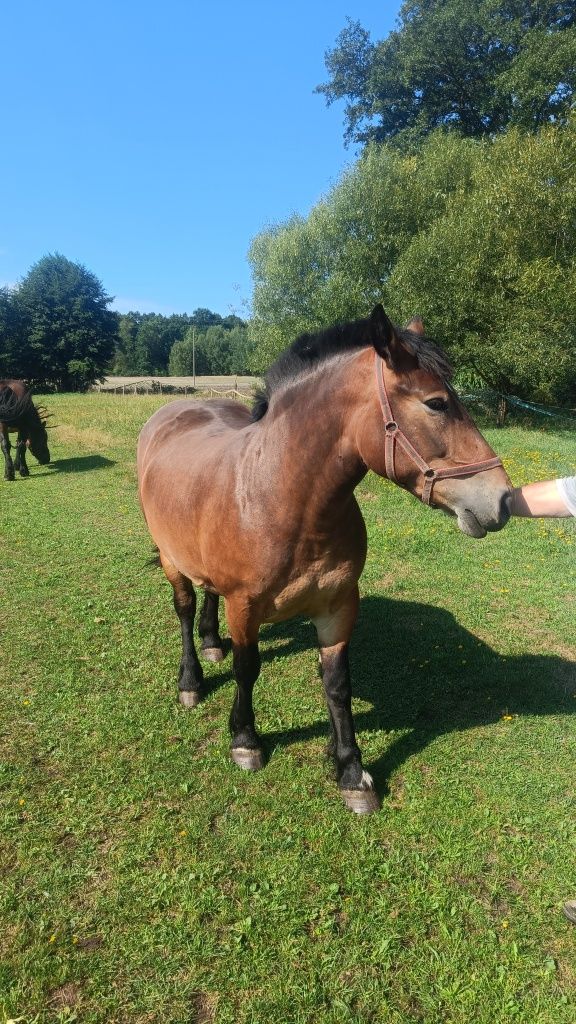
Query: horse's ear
point(416, 325)
point(383, 330)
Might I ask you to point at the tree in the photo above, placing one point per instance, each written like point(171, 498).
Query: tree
point(70, 331)
point(217, 350)
point(147, 339)
point(335, 264)
point(156, 336)
point(187, 357)
point(15, 356)
point(476, 236)
point(478, 67)
point(495, 276)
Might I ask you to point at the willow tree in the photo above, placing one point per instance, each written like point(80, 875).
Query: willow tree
point(476, 236)
point(495, 275)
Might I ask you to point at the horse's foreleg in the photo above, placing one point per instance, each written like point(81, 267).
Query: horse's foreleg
point(334, 630)
point(211, 648)
point(246, 750)
point(20, 460)
point(5, 446)
point(190, 676)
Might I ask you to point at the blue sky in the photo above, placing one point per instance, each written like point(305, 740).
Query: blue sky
point(152, 141)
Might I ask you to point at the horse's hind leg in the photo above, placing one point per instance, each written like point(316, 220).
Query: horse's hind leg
point(246, 749)
point(334, 630)
point(5, 447)
point(190, 677)
point(211, 648)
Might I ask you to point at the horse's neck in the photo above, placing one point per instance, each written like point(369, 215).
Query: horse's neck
point(309, 440)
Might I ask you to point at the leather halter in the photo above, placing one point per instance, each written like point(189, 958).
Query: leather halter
point(394, 435)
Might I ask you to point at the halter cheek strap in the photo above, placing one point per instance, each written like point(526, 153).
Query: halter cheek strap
point(394, 435)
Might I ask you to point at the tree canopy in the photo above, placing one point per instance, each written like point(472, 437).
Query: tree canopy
point(478, 237)
point(478, 66)
point(55, 328)
point(152, 344)
point(217, 350)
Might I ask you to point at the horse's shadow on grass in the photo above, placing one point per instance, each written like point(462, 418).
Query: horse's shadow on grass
point(82, 464)
point(424, 675)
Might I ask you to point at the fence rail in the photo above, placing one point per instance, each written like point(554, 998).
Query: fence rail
point(235, 387)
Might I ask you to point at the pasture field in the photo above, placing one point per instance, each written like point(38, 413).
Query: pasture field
point(147, 880)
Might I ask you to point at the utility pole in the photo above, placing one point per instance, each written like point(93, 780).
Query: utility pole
point(194, 355)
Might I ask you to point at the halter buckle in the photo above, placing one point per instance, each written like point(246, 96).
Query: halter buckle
point(430, 473)
point(391, 427)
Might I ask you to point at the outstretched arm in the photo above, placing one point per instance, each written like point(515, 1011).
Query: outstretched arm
point(547, 498)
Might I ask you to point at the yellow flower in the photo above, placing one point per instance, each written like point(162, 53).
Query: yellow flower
point(21, 801)
point(52, 938)
point(505, 923)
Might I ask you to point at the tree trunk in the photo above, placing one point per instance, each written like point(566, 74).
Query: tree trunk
point(502, 411)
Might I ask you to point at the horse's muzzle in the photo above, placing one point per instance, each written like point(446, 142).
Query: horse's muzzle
point(477, 525)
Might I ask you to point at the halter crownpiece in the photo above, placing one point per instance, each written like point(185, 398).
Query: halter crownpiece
point(394, 435)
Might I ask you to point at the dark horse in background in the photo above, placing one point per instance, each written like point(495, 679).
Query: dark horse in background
point(19, 414)
point(259, 507)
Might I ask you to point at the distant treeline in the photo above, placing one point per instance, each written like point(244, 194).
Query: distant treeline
point(57, 331)
point(179, 345)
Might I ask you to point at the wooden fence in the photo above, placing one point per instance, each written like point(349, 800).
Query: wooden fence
point(223, 387)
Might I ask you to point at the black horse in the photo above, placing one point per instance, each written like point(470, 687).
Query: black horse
point(18, 413)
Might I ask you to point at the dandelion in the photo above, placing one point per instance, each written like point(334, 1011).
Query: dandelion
point(505, 923)
point(52, 938)
point(25, 703)
point(21, 801)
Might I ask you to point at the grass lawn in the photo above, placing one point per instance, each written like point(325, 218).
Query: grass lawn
point(146, 879)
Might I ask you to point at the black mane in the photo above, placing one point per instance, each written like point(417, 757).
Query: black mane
point(309, 350)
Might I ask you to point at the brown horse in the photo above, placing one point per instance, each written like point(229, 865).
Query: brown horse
point(18, 413)
point(259, 507)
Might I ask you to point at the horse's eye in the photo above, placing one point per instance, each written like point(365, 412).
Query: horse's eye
point(437, 404)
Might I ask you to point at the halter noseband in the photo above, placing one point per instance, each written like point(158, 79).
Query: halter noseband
point(395, 435)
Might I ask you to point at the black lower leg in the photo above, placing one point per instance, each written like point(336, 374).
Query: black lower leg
point(345, 750)
point(190, 676)
point(208, 628)
point(20, 459)
point(246, 672)
point(8, 464)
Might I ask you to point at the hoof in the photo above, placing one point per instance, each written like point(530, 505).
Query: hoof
point(361, 801)
point(189, 698)
point(212, 653)
point(249, 760)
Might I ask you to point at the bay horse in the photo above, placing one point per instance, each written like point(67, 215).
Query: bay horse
point(19, 414)
point(259, 507)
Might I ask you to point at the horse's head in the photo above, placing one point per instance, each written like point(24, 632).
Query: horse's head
point(38, 438)
point(422, 436)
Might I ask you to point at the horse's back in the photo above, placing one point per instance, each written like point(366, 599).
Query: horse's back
point(19, 387)
point(14, 401)
point(186, 423)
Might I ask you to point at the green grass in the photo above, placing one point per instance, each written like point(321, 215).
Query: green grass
point(146, 879)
